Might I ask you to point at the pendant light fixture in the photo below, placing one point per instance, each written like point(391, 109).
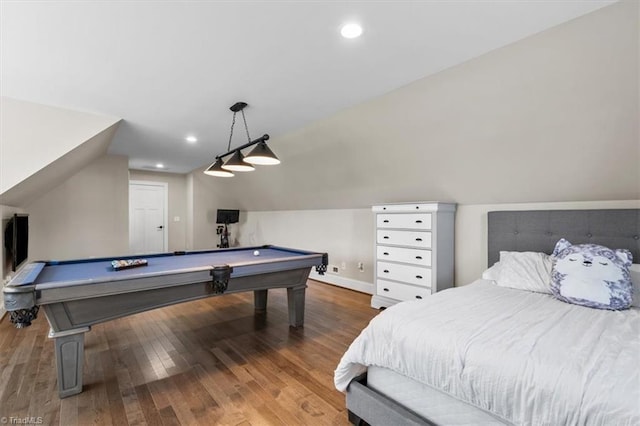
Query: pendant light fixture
point(216, 170)
point(237, 164)
point(261, 154)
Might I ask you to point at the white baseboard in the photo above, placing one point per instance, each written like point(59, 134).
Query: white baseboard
point(350, 283)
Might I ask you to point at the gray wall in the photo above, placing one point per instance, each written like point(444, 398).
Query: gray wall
point(206, 200)
point(345, 234)
point(87, 215)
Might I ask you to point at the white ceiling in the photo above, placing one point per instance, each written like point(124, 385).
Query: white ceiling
point(171, 69)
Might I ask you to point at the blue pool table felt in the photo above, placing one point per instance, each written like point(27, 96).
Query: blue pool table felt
point(102, 271)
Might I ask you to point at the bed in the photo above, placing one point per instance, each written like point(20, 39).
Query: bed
point(483, 354)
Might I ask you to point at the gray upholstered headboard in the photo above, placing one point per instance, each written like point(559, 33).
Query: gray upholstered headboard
point(539, 230)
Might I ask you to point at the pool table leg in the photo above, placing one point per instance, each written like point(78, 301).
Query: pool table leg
point(295, 299)
point(260, 300)
point(69, 360)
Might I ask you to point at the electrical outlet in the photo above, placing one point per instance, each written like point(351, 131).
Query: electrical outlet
point(334, 269)
point(360, 266)
point(344, 265)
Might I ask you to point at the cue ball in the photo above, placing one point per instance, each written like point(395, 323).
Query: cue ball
point(256, 253)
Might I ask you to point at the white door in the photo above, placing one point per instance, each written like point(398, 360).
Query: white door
point(147, 217)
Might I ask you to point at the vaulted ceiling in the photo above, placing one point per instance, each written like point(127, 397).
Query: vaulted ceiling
point(172, 69)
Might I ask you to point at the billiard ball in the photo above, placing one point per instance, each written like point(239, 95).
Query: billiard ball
point(256, 253)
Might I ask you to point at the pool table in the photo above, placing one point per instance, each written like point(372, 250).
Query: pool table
point(77, 294)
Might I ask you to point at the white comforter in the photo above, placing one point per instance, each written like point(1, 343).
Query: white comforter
point(524, 356)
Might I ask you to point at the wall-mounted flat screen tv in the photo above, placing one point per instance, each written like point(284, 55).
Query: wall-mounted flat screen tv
point(16, 240)
point(227, 216)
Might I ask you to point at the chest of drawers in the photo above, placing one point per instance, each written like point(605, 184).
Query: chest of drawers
point(413, 250)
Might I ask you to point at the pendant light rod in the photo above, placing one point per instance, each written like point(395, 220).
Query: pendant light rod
point(262, 138)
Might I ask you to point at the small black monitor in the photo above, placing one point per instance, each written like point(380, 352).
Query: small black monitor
point(16, 239)
point(227, 216)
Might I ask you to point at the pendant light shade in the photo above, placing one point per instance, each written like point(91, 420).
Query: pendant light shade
point(237, 164)
point(216, 170)
point(262, 155)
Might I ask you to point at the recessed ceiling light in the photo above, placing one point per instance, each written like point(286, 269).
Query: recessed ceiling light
point(191, 139)
point(351, 30)
point(159, 166)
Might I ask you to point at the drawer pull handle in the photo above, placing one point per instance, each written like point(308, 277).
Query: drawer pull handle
point(418, 239)
point(418, 221)
point(418, 297)
point(419, 277)
point(385, 289)
point(386, 253)
point(386, 237)
point(386, 271)
point(385, 221)
point(419, 257)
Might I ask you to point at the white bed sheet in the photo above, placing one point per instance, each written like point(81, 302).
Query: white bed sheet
point(526, 357)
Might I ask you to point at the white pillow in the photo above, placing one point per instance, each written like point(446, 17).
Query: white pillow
point(492, 273)
point(527, 270)
point(634, 271)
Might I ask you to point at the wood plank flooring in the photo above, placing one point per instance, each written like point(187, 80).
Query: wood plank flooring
point(210, 362)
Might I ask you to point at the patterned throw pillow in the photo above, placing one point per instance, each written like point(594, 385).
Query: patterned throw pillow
point(591, 275)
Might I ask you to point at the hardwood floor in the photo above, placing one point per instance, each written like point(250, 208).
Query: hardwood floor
point(210, 362)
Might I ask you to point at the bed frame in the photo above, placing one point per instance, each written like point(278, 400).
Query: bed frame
point(537, 230)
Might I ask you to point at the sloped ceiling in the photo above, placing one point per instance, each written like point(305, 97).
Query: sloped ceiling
point(172, 68)
point(551, 118)
point(41, 146)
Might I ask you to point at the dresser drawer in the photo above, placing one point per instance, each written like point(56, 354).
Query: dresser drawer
point(406, 221)
point(406, 273)
point(418, 239)
point(407, 255)
point(400, 291)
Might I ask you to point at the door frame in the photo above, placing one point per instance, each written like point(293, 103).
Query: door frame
point(165, 219)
